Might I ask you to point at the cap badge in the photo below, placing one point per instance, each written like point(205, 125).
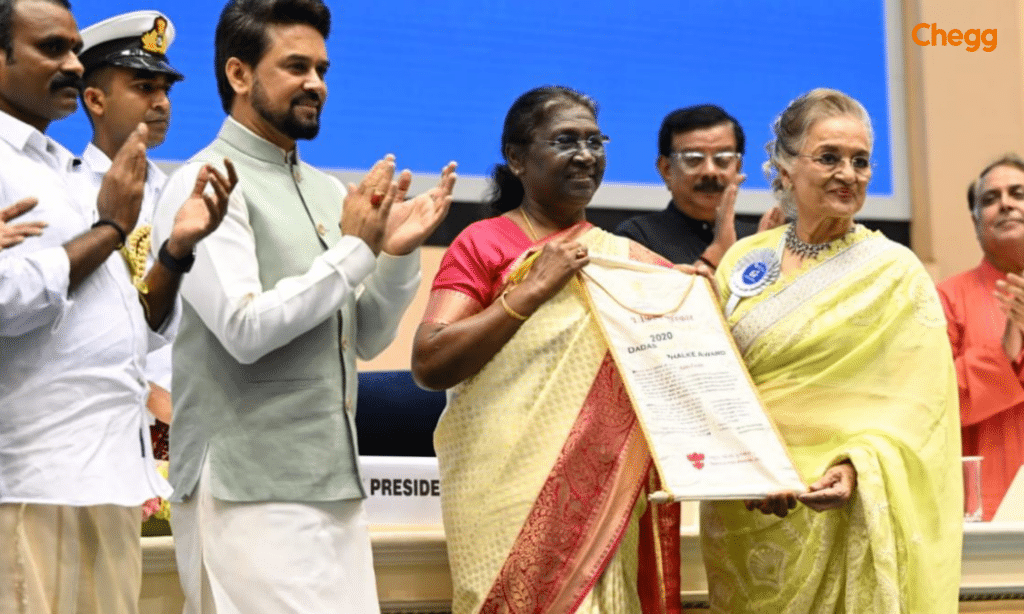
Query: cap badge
point(155, 41)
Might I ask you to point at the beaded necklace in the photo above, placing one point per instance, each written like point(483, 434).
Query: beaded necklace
point(803, 249)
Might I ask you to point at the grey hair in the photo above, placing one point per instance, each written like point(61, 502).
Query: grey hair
point(790, 130)
point(974, 190)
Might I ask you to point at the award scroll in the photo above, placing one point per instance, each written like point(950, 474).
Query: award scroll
point(708, 432)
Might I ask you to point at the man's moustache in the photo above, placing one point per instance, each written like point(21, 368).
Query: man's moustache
point(64, 80)
point(709, 186)
point(307, 97)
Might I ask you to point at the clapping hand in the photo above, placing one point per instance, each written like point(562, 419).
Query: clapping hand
point(120, 195)
point(13, 234)
point(1010, 296)
point(725, 223)
point(772, 218)
point(725, 214)
point(412, 221)
point(367, 206)
point(201, 213)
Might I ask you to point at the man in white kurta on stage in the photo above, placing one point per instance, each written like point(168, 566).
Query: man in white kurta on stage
point(301, 278)
point(75, 464)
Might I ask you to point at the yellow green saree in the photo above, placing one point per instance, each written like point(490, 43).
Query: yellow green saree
point(851, 359)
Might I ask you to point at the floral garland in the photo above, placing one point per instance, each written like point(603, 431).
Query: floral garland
point(156, 507)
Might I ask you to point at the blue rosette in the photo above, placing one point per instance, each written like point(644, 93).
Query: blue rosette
point(754, 272)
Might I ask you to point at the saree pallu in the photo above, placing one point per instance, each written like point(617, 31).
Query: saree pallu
point(544, 475)
point(851, 359)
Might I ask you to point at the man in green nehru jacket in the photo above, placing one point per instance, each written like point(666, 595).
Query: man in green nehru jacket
point(301, 278)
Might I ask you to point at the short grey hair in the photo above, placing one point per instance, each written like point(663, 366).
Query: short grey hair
point(974, 190)
point(790, 130)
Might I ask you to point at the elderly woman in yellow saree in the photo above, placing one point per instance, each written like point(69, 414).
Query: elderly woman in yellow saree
point(846, 345)
point(544, 470)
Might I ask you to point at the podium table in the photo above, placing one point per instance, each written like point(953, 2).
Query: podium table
point(412, 569)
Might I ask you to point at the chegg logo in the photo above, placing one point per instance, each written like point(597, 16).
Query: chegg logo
point(973, 38)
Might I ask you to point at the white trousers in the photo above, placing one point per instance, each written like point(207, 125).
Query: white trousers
point(274, 557)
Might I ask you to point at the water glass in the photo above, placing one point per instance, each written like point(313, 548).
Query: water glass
point(972, 488)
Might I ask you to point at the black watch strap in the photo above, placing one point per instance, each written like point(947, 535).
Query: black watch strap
point(178, 265)
point(121, 234)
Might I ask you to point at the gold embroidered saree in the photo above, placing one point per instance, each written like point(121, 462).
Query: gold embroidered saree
point(544, 470)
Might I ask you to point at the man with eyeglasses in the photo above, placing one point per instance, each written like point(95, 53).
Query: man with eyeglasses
point(985, 319)
point(700, 156)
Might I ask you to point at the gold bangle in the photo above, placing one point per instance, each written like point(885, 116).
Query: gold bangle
point(508, 309)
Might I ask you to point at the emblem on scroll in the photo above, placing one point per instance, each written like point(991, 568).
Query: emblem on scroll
point(697, 459)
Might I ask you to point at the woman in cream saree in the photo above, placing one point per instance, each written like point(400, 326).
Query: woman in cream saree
point(544, 470)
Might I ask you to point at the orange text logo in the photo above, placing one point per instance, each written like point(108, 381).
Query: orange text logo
point(929, 34)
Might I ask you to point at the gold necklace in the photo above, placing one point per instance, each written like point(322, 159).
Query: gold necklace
point(529, 224)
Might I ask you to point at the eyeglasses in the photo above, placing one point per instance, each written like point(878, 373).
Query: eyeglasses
point(691, 161)
point(829, 161)
point(570, 144)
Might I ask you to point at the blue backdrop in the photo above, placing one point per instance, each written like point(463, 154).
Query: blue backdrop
point(432, 81)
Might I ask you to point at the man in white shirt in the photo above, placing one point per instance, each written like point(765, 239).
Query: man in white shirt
point(128, 80)
point(282, 300)
point(74, 332)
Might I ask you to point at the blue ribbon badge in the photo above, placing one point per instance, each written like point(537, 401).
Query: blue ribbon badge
point(754, 272)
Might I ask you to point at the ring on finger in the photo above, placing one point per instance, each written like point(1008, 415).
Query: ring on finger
point(376, 198)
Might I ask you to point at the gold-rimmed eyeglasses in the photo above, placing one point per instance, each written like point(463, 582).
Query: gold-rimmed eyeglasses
point(832, 162)
point(570, 144)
